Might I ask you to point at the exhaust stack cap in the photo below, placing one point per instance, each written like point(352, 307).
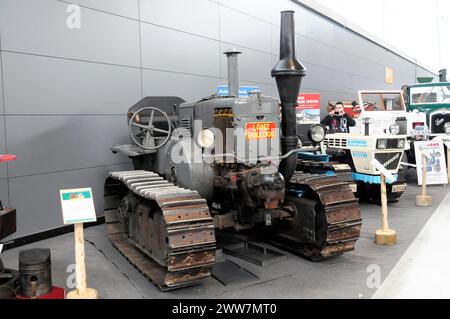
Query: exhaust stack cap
point(443, 75)
point(233, 81)
point(288, 72)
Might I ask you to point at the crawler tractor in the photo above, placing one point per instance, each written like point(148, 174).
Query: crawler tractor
point(224, 163)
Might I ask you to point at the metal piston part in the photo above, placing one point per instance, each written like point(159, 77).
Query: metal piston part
point(35, 272)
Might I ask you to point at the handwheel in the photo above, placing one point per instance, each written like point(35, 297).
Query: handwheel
point(145, 137)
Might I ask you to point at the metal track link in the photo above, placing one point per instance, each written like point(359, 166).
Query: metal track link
point(341, 214)
point(189, 253)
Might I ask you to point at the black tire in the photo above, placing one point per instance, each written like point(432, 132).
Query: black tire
point(371, 193)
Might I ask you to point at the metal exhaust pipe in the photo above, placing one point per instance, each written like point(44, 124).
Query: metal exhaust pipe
point(443, 75)
point(233, 79)
point(288, 74)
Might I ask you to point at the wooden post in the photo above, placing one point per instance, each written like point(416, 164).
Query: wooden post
point(82, 292)
point(384, 210)
point(424, 199)
point(385, 236)
point(424, 175)
point(80, 259)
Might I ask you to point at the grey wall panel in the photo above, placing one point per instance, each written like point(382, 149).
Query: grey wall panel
point(313, 26)
point(365, 69)
point(267, 10)
point(275, 41)
point(300, 47)
point(183, 15)
point(421, 72)
point(401, 64)
point(3, 166)
point(327, 79)
point(243, 30)
point(356, 45)
point(128, 8)
point(181, 52)
point(253, 65)
point(368, 84)
point(368, 56)
point(42, 85)
point(46, 144)
point(4, 195)
point(2, 107)
point(36, 198)
point(39, 27)
point(188, 87)
point(315, 52)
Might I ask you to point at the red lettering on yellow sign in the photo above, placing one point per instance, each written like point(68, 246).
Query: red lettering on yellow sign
point(260, 130)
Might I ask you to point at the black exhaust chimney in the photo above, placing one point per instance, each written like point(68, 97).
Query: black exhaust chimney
point(443, 75)
point(288, 74)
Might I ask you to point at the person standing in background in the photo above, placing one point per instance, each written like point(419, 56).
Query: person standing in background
point(337, 120)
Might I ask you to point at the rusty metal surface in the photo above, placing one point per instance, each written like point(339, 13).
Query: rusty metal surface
point(337, 206)
point(342, 214)
point(186, 260)
point(173, 251)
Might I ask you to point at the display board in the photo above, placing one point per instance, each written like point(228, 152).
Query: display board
point(308, 109)
point(436, 167)
point(77, 205)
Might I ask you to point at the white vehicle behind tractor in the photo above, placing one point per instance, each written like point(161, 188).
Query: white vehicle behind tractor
point(384, 112)
point(359, 150)
point(383, 132)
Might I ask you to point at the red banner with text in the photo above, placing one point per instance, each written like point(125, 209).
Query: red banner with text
point(308, 109)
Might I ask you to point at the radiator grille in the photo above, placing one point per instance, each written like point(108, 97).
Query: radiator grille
point(389, 160)
point(335, 142)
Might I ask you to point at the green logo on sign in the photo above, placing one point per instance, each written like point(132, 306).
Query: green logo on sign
point(76, 195)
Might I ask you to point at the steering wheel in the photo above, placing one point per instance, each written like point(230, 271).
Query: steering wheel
point(145, 137)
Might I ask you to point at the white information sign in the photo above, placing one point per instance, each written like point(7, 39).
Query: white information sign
point(77, 205)
point(435, 165)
